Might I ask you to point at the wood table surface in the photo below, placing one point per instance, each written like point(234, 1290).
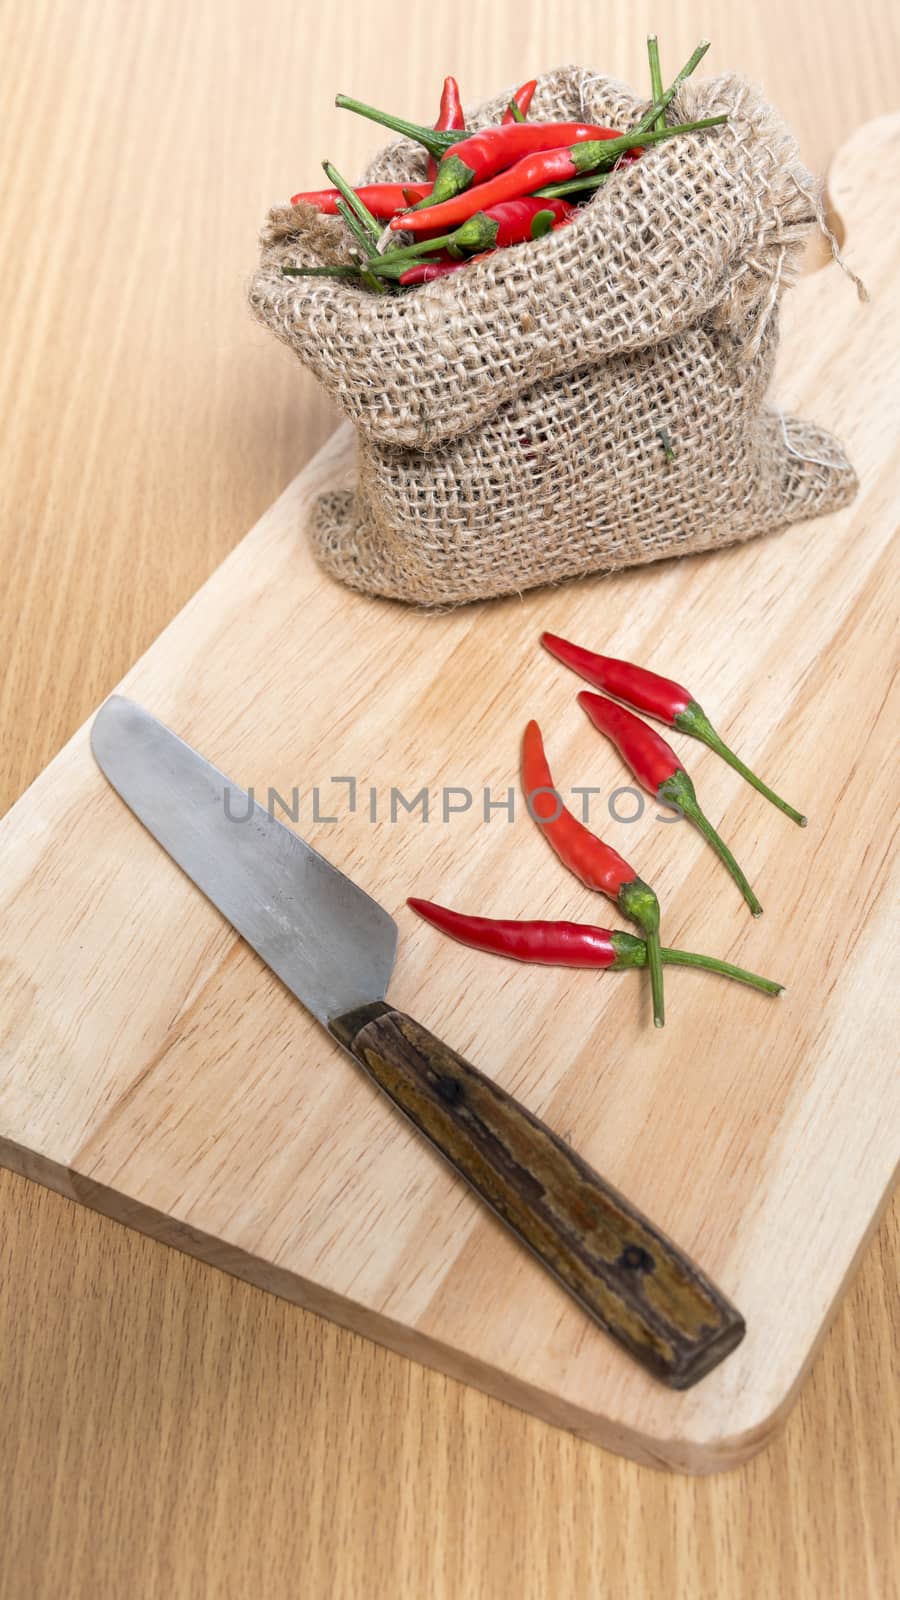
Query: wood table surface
point(166, 1429)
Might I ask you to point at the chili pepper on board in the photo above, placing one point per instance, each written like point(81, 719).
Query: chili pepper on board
point(598, 865)
point(510, 222)
point(384, 200)
point(517, 110)
point(533, 172)
point(661, 698)
point(657, 767)
point(450, 115)
point(571, 944)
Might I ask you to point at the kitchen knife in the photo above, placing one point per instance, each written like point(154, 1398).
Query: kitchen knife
point(334, 948)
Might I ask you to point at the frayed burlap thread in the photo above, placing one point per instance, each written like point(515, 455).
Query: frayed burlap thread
point(590, 401)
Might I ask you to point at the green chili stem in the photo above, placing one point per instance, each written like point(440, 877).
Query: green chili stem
point(649, 136)
point(382, 268)
point(321, 272)
point(364, 242)
point(632, 952)
point(595, 180)
point(649, 119)
point(542, 223)
point(366, 270)
point(558, 191)
point(638, 901)
point(602, 154)
point(693, 720)
point(357, 206)
point(654, 962)
point(478, 232)
point(517, 115)
point(410, 253)
point(436, 142)
point(656, 83)
point(356, 228)
point(762, 788)
point(686, 958)
point(693, 813)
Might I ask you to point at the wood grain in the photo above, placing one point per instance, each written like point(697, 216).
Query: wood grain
point(164, 1426)
point(633, 1281)
point(153, 1068)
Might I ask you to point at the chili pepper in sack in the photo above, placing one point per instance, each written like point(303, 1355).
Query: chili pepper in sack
point(586, 182)
point(598, 865)
point(384, 200)
point(511, 222)
point(492, 150)
point(450, 115)
point(517, 110)
point(657, 767)
point(406, 272)
point(427, 271)
point(661, 698)
point(571, 944)
point(440, 142)
point(361, 271)
point(533, 172)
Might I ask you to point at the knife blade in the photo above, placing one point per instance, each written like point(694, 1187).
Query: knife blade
point(334, 948)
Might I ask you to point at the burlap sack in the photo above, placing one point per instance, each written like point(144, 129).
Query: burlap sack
point(512, 418)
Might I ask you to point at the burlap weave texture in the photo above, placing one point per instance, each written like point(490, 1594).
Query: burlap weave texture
point(512, 419)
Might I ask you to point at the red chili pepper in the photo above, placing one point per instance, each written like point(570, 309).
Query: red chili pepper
point(521, 100)
point(515, 184)
point(598, 865)
point(427, 271)
point(657, 767)
point(384, 200)
point(511, 222)
point(449, 116)
point(552, 944)
point(535, 172)
point(491, 150)
point(440, 143)
point(659, 697)
point(571, 944)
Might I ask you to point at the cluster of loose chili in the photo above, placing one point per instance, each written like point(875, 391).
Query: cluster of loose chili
point(500, 186)
point(658, 769)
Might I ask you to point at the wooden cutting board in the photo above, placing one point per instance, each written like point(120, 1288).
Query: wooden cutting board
point(152, 1067)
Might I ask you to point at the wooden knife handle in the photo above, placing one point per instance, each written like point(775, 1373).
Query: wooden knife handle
point(626, 1274)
